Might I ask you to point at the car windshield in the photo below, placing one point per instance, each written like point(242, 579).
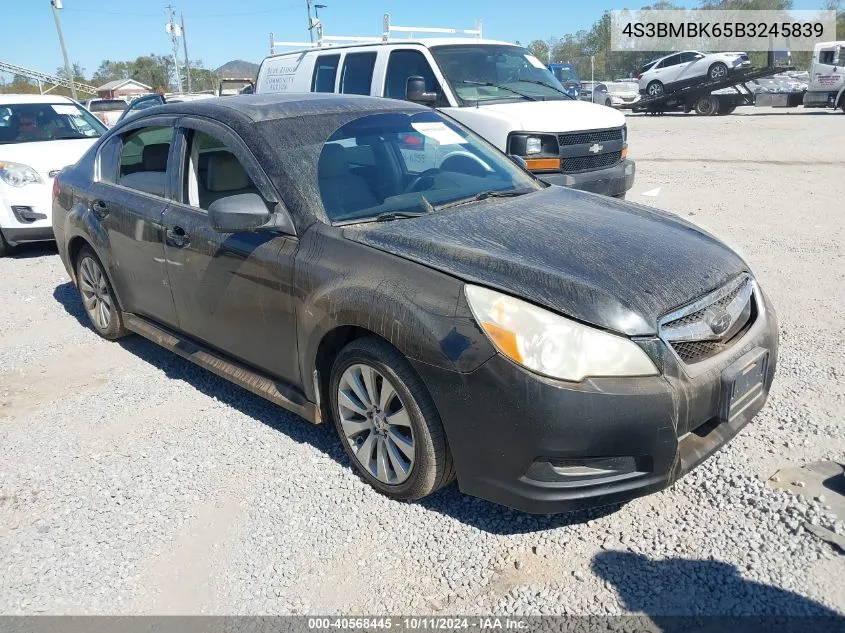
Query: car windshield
point(485, 72)
point(565, 73)
point(392, 165)
point(32, 122)
point(108, 105)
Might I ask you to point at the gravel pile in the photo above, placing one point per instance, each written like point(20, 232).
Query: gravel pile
point(134, 482)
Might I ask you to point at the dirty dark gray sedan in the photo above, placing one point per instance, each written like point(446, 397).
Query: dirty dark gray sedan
point(373, 264)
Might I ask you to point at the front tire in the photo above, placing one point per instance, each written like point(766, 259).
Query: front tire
point(717, 71)
point(387, 421)
point(707, 106)
point(98, 296)
point(655, 89)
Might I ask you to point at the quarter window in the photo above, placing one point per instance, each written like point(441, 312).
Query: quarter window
point(144, 158)
point(357, 73)
point(325, 72)
point(403, 64)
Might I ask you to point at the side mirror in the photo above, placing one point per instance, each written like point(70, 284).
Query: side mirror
point(519, 160)
point(240, 213)
point(415, 91)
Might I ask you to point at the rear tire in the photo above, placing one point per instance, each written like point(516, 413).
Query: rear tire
point(707, 106)
point(717, 71)
point(655, 89)
point(97, 295)
point(392, 431)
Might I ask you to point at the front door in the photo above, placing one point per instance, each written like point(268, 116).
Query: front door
point(233, 292)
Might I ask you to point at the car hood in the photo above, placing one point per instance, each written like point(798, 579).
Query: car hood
point(46, 156)
point(560, 115)
point(613, 264)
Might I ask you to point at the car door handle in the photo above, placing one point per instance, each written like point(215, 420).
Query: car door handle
point(100, 208)
point(176, 236)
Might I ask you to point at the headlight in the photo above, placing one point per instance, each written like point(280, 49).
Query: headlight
point(18, 175)
point(533, 145)
point(552, 345)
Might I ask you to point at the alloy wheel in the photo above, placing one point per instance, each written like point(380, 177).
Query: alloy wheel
point(95, 293)
point(718, 71)
point(376, 424)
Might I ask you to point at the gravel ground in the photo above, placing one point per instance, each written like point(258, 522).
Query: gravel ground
point(133, 482)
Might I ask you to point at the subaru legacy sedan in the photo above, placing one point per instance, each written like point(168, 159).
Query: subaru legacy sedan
point(372, 264)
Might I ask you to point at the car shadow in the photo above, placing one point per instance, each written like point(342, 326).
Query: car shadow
point(32, 250)
point(680, 594)
point(449, 501)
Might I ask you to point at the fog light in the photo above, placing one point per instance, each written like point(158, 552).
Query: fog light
point(27, 215)
point(585, 470)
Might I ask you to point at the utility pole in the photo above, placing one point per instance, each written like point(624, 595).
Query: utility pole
point(310, 24)
point(187, 61)
point(174, 30)
point(57, 4)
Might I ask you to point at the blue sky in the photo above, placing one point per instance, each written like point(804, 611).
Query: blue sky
point(222, 30)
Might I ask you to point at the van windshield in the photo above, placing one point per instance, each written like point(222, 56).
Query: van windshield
point(485, 72)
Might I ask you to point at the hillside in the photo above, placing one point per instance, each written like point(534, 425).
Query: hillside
point(237, 68)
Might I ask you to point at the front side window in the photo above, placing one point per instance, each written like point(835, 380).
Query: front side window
point(325, 72)
point(357, 75)
point(214, 172)
point(412, 164)
point(403, 64)
point(484, 72)
point(144, 158)
point(33, 122)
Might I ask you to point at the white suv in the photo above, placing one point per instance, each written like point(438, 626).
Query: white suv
point(39, 135)
point(688, 68)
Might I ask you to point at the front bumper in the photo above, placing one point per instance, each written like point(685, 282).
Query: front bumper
point(610, 181)
point(505, 425)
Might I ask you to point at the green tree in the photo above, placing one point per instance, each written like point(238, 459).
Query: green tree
point(78, 72)
point(539, 49)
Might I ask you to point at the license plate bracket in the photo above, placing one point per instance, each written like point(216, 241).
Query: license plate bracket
point(743, 383)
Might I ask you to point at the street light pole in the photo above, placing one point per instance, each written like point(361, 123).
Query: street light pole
point(57, 4)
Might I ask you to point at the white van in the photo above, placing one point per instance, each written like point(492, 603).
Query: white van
point(497, 89)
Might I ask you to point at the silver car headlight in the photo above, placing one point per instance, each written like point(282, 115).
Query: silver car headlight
point(552, 345)
point(17, 174)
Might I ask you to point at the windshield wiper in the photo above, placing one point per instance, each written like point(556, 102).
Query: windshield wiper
point(541, 83)
point(484, 195)
point(398, 215)
point(490, 84)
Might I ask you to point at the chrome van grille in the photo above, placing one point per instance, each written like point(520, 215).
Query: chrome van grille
point(713, 323)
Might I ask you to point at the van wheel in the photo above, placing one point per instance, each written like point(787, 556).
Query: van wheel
point(654, 89)
point(387, 421)
point(97, 295)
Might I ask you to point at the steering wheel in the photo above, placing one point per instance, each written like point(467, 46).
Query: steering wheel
point(427, 175)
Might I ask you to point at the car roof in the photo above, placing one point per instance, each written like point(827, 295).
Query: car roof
point(9, 99)
point(264, 107)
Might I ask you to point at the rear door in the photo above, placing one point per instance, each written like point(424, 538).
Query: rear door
point(234, 292)
point(669, 69)
point(129, 196)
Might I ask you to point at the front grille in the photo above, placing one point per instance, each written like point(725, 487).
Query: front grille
point(596, 136)
point(597, 161)
point(693, 336)
point(697, 351)
point(699, 314)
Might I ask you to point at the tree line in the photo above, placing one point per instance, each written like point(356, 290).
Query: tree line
point(156, 71)
point(578, 48)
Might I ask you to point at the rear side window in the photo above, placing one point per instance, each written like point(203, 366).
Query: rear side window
point(109, 157)
point(108, 105)
point(143, 159)
point(404, 64)
point(325, 72)
point(357, 75)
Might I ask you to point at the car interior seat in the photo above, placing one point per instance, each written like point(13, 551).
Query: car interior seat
point(342, 192)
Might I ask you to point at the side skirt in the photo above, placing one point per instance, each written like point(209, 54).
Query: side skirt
point(277, 392)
